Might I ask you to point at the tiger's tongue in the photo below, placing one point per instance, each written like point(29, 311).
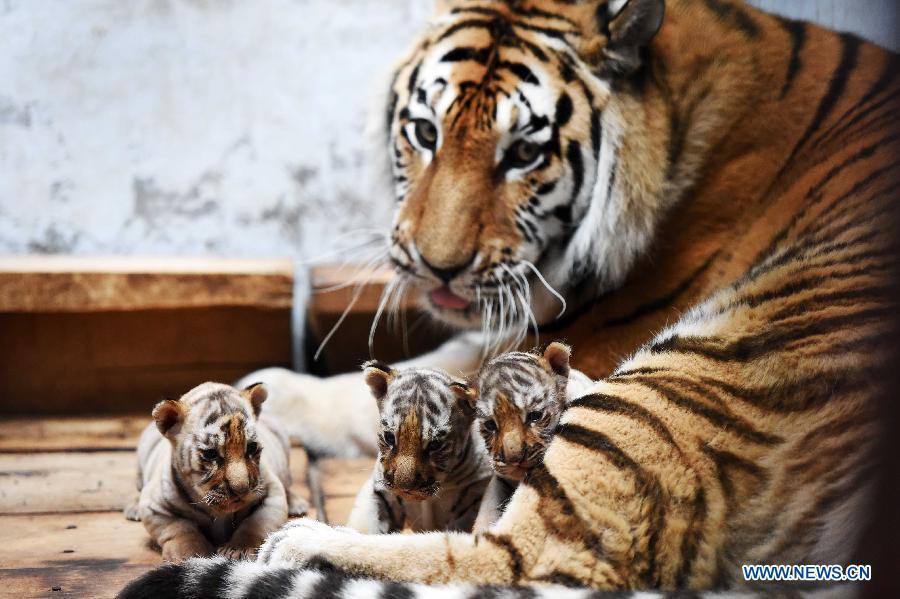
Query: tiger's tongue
point(445, 298)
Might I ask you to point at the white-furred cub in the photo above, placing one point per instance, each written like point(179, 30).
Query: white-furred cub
point(213, 472)
point(521, 397)
point(432, 469)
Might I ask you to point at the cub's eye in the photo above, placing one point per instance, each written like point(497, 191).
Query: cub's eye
point(210, 455)
point(522, 154)
point(435, 445)
point(490, 425)
point(252, 448)
point(388, 438)
point(534, 416)
point(426, 134)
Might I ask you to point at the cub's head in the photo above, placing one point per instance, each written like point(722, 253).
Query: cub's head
point(426, 417)
point(521, 397)
point(215, 450)
point(505, 154)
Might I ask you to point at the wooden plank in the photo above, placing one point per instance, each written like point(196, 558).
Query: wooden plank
point(78, 284)
point(32, 540)
point(98, 579)
point(338, 509)
point(71, 433)
point(343, 478)
point(121, 362)
point(76, 482)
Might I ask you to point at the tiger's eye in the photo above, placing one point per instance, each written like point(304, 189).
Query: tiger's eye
point(490, 425)
point(388, 438)
point(210, 455)
point(534, 416)
point(435, 445)
point(252, 448)
point(523, 153)
point(426, 134)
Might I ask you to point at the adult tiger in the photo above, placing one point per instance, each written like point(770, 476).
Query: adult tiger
point(732, 173)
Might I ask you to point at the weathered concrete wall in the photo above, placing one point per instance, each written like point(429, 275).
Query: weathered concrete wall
point(211, 126)
point(189, 126)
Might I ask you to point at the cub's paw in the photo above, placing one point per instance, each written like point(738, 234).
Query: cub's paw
point(301, 541)
point(297, 506)
point(133, 512)
point(180, 549)
point(240, 552)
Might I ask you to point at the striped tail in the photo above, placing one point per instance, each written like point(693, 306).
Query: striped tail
point(205, 578)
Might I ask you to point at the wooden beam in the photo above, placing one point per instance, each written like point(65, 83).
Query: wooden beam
point(100, 284)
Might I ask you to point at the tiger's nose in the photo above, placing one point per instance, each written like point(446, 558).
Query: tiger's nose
point(237, 480)
point(448, 273)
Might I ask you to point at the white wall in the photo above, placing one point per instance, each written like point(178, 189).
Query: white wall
point(189, 126)
point(211, 126)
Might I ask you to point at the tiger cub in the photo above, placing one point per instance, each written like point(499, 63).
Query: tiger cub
point(521, 397)
point(213, 472)
point(432, 469)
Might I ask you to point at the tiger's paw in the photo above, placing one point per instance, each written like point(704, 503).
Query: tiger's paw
point(303, 541)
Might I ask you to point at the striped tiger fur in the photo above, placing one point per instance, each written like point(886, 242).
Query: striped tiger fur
point(520, 399)
point(728, 181)
point(432, 469)
point(205, 579)
point(213, 472)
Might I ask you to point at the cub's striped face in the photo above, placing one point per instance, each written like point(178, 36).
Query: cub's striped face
point(424, 428)
point(521, 397)
point(215, 447)
point(495, 133)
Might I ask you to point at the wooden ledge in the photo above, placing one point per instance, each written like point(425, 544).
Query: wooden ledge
point(110, 284)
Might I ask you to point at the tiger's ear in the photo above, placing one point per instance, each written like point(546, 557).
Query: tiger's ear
point(629, 27)
point(169, 416)
point(557, 355)
point(256, 394)
point(466, 396)
point(378, 376)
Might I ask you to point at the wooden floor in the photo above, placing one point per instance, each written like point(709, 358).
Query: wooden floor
point(63, 483)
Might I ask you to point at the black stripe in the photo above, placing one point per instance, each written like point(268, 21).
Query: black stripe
point(212, 581)
point(735, 16)
point(849, 54)
point(797, 31)
point(563, 110)
point(672, 390)
point(396, 590)
point(520, 70)
point(573, 155)
point(515, 558)
point(609, 403)
point(479, 55)
point(274, 583)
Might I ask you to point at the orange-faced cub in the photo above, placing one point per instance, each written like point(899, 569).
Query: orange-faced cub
point(213, 472)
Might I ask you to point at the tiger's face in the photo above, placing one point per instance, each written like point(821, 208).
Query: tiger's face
point(215, 450)
point(521, 397)
point(496, 137)
point(425, 428)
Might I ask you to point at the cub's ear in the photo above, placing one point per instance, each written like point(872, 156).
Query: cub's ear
point(630, 26)
point(557, 355)
point(466, 396)
point(169, 416)
point(256, 394)
point(378, 376)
